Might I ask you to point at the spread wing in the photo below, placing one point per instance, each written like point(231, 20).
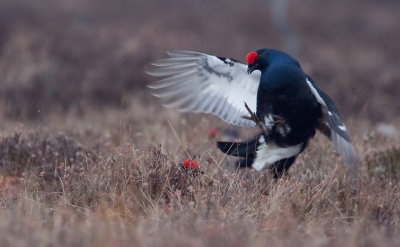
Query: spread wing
point(333, 127)
point(197, 82)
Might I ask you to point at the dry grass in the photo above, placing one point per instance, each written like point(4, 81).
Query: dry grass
point(55, 190)
point(88, 158)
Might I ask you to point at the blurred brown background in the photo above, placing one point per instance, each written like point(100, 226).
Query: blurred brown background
point(70, 56)
point(89, 158)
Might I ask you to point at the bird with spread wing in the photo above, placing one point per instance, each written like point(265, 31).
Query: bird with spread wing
point(271, 91)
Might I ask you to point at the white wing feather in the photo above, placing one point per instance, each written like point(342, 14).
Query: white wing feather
point(197, 82)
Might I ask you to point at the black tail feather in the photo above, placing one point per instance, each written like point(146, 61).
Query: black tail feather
point(239, 149)
point(248, 151)
point(246, 162)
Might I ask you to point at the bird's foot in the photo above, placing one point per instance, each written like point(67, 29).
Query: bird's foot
point(281, 125)
point(278, 120)
point(253, 117)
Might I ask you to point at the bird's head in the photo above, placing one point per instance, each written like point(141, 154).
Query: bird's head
point(261, 59)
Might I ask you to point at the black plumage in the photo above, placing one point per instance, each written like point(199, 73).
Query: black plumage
point(287, 102)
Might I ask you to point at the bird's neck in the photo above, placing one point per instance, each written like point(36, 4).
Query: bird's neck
point(279, 75)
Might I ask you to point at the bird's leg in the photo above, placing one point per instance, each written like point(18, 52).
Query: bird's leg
point(278, 119)
point(280, 125)
point(253, 117)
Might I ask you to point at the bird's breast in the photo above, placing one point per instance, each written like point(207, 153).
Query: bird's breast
point(290, 112)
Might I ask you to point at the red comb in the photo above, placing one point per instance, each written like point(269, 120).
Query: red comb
point(192, 164)
point(251, 56)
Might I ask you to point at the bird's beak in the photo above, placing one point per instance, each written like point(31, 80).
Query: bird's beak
point(251, 68)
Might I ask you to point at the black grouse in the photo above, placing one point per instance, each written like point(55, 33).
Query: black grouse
point(289, 107)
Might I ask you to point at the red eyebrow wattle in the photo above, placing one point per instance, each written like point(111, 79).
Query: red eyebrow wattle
point(251, 56)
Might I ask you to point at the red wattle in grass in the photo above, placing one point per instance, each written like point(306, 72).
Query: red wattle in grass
point(191, 164)
point(212, 132)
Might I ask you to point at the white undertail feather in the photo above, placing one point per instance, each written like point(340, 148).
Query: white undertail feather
point(269, 153)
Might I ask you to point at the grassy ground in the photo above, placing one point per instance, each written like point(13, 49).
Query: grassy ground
point(88, 158)
point(103, 183)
